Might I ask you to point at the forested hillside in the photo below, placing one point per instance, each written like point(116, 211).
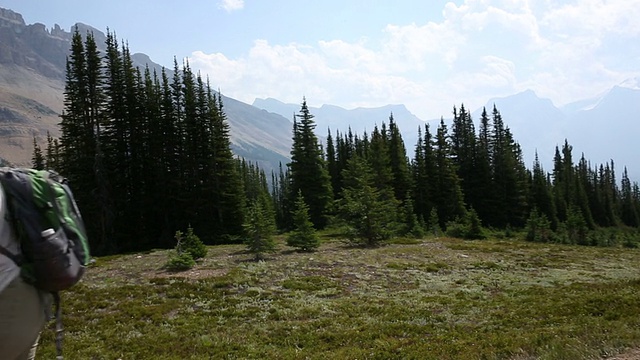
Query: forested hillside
point(148, 155)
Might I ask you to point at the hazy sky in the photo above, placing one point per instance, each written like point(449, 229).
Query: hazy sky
point(427, 54)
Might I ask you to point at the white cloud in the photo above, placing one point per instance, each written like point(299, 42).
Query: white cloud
point(481, 49)
point(231, 5)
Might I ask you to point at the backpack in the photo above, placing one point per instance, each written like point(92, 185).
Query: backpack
point(48, 224)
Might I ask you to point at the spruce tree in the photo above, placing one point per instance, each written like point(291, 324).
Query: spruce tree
point(80, 154)
point(227, 195)
point(400, 170)
point(628, 211)
point(37, 160)
point(370, 215)
point(307, 169)
point(52, 153)
point(509, 177)
point(448, 197)
point(259, 229)
point(424, 174)
point(463, 150)
point(377, 155)
point(540, 194)
point(410, 224)
point(481, 182)
point(303, 236)
point(332, 166)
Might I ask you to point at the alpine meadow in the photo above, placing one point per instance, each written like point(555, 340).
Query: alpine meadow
point(361, 247)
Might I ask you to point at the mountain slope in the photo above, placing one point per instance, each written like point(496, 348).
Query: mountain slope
point(258, 135)
point(609, 130)
point(32, 68)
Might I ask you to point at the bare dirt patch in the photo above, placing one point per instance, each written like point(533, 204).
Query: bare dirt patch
point(633, 354)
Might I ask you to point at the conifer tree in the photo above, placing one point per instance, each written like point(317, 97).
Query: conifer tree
point(581, 199)
point(628, 211)
point(303, 236)
point(80, 156)
point(538, 227)
point(280, 193)
point(37, 160)
point(424, 174)
point(463, 150)
point(377, 155)
point(227, 195)
point(474, 225)
point(259, 229)
point(482, 190)
point(370, 215)
point(541, 199)
point(448, 197)
point(509, 177)
point(434, 223)
point(410, 224)
point(345, 150)
point(332, 165)
point(307, 169)
point(576, 227)
point(52, 153)
point(400, 171)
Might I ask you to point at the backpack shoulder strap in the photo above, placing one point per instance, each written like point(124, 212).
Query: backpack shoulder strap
point(16, 258)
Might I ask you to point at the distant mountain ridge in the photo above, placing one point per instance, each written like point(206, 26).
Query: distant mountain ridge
point(603, 128)
point(359, 120)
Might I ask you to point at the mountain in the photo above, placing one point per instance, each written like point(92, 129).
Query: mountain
point(359, 120)
point(609, 130)
point(535, 123)
point(32, 80)
point(258, 135)
point(603, 128)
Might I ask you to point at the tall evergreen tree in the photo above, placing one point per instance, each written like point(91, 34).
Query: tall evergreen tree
point(463, 150)
point(400, 170)
point(509, 177)
point(424, 172)
point(377, 155)
point(307, 168)
point(227, 196)
point(448, 197)
point(482, 190)
point(541, 198)
point(333, 167)
point(80, 155)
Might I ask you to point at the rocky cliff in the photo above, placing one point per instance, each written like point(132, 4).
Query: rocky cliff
point(32, 79)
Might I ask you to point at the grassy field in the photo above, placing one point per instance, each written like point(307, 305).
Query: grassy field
point(431, 299)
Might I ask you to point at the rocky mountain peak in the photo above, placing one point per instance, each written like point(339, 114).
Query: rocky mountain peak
point(9, 18)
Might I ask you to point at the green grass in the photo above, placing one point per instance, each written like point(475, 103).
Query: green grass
point(432, 299)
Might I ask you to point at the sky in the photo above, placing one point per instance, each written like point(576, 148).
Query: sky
point(430, 55)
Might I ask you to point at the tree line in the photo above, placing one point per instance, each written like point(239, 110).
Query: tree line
point(460, 176)
point(148, 155)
